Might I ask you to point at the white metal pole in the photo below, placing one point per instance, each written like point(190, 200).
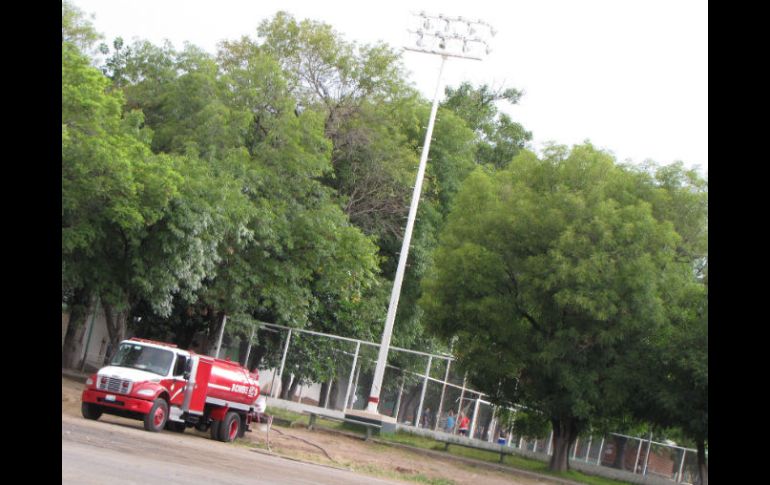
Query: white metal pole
point(283, 362)
point(574, 450)
point(350, 379)
point(328, 391)
point(355, 386)
point(491, 435)
point(462, 395)
point(550, 443)
point(588, 448)
point(443, 391)
point(601, 447)
point(475, 415)
point(681, 467)
point(422, 393)
point(382, 357)
point(248, 349)
point(221, 334)
point(647, 456)
point(398, 401)
point(638, 454)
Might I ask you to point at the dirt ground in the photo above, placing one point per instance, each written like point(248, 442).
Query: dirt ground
point(337, 450)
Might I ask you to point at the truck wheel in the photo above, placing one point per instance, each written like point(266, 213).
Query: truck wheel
point(230, 427)
point(155, 420)
point(91, 411)
point(215, 425)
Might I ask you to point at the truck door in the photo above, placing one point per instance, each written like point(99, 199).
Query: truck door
point(197, 384)
point(178, 380)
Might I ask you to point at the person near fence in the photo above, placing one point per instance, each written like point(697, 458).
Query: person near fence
point(450, 421)
point(464, 423)
point(426, 418)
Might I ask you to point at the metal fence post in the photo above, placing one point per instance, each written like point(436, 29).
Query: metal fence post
point(283, 362)
point(443, 391)
point(248, 349)
point(638, 454)
point(462, 394)
point(588, 448)
point(328, 391)
point(350, 379)
point(355, 386)
point(422, 393)
point(398, 401)
point(601, 447)
point(681, 467)
point(647, 456)
point(475, 415)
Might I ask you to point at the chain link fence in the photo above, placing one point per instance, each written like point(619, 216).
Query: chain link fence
point(422, 390)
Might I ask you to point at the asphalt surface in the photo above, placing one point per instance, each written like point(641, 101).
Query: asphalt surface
point(118, 451)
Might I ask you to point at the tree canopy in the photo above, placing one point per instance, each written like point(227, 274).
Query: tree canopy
point(550, 272)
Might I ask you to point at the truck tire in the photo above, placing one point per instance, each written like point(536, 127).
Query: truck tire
point(91, 411)
point(215, 425)
point(156, 419)
point(230, 427)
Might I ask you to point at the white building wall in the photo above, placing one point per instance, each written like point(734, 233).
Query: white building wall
point(97, 345)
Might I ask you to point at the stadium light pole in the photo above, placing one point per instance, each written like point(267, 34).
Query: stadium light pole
point(446, 37)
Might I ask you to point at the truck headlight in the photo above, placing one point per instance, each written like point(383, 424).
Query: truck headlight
point(146, 392)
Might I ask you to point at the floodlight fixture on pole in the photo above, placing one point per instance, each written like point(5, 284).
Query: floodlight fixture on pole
point(446, 37)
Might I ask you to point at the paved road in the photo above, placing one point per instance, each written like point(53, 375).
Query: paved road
point(117, 451)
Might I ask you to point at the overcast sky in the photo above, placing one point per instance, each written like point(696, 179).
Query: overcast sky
point(630, 76)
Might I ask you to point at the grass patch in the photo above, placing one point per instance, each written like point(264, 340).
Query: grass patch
point(405, 438)
point(394, 474)
point(514, 461)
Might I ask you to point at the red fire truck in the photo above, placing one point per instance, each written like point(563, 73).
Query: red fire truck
point(168, 387)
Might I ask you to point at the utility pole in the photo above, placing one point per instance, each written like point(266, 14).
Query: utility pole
point(446, 37)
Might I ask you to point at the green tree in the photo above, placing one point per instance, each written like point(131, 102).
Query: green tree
point(499, 137)
point(546, 274)
point(132, 226)
point(293, 245)
point(668, 373)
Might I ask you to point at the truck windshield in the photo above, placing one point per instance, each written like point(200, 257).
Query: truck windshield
point(137, 356)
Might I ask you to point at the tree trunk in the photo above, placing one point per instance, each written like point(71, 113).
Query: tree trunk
point(285, 385)
point(117, 325)
point(411, 394)
point(293, 388)
point(703, 467)
point(216, 319)
point(322, 396)
point(620, 452)
point(79, 309)
point(333, 394)
point(565, 433)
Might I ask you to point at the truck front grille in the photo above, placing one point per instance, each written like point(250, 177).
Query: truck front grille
point(114, 384)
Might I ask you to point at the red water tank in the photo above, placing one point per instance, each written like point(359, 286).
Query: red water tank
point(232, 382)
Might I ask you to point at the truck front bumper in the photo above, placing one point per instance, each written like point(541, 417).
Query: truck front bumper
point(116, 401)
